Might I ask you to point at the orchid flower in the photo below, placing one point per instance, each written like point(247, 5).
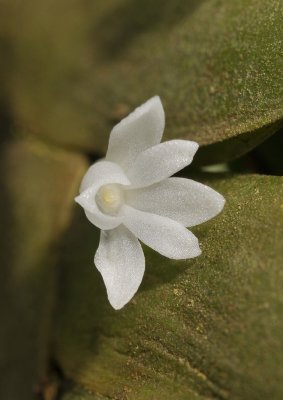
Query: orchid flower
point(130, 196)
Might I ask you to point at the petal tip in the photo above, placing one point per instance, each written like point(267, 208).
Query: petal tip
point(195, 146)
point(119, 301)
point(155, 98)
point(78, 200)
point(116, 306)
point(221, 203)
point(82, 200)
point(198, 252)
point(195, 252)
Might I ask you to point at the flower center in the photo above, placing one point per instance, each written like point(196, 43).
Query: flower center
point(109, 198)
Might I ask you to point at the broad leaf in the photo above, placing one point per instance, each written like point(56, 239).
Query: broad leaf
point(216, 65)
point(80, 394)
point(206, 327)
point(44, 52)
point(37, 189)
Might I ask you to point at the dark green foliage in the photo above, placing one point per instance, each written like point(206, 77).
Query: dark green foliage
point(209, 327)
point(206, 328)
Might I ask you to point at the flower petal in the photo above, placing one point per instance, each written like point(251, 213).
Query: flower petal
point(99, 174)
point(120, 260)
point(184, 200)
point(162, 234)
point(137, 132)
point(161, 161)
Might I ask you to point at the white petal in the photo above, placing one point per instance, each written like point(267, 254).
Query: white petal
point(161, 161)
point(137, 132)
point(164, 235)
point(120, 260)
point(184, 200)
point(99, 174)
point(104, 172)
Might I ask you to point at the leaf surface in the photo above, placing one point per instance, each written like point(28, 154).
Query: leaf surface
point(37, 189)
point(202, 328)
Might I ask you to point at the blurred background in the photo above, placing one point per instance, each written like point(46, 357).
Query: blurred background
point(69, 71)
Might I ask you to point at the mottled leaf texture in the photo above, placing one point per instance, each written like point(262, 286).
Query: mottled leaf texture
point(209, 327)
point(80, 394)
point(37, 189)
point(215, 64)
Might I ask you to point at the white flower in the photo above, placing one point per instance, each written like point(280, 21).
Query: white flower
point(129, 195)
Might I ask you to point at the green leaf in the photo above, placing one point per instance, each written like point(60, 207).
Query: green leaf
point(208, 327)
point(37, 189)
point(44, 46)
point(216, 65)
point(80, 394)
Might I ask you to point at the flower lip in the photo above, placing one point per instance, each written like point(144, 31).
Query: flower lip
point(100, 174)
point(110, 198)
